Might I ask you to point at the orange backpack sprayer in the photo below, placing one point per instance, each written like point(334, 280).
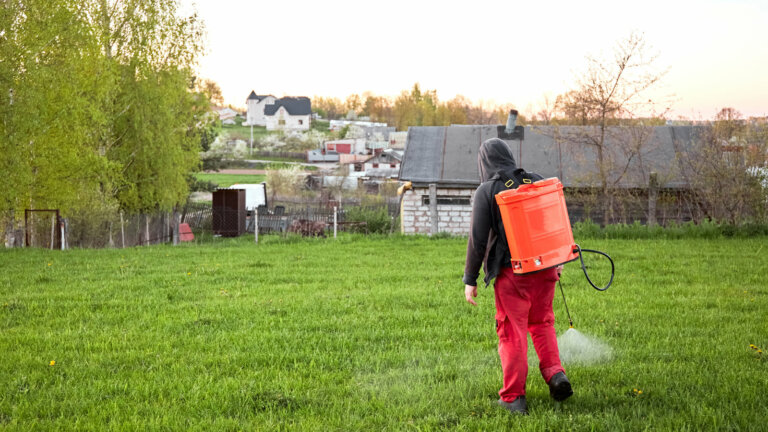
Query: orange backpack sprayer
point(536, 223)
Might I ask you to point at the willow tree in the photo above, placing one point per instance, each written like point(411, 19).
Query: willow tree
point(155, 116)
point(96, 105)
point(51, 89)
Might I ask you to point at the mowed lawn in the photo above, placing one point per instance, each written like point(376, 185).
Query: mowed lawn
point(369, 334)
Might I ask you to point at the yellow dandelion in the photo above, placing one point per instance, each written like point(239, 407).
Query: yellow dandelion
point(49, 264)
point(639, 392)
point(189, 274)
point(752, 346)
point(759, 351)
point(52, 363)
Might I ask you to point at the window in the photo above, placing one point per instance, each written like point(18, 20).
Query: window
point(281, 122)
point(393, 165)
point(301, 122)
point(358, 167)
point(446, 200)
point(375, 165)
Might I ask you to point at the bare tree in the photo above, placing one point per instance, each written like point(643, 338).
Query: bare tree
point(610, 93)
point(725, 164)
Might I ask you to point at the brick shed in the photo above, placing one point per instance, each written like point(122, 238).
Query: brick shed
point(441, 164)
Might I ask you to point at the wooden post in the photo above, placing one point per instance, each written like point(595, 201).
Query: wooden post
point(335, 221)
point(53, 231)
point(256, 225)
point(146, 229)
point(64, 234)
point(653, 193)
point(433, 208)
point(122, 227)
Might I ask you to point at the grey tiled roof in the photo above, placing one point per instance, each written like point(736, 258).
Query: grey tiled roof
point(253, 95)
point(294, 105)
point(448, 155)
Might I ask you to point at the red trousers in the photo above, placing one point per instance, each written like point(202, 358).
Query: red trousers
point(524, 305)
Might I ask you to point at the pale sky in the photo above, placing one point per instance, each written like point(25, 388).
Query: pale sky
point(500, 52)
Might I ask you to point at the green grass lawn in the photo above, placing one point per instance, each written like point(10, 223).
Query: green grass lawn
point(368, 334)
point(226, 180)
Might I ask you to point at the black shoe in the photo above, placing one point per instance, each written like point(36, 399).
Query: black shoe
point(559, 387)
point(517, 406)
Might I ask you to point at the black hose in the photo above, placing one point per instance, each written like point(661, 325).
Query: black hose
point(584, 267)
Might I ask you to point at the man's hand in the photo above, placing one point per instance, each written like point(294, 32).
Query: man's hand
point(469, 292)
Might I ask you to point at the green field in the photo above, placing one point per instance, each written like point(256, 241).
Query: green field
point(368, 334)
point(226, 180)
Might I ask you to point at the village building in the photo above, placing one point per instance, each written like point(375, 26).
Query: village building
point(385, 165)
point(226, 115)
point(255, 104)
point(287, 113)
point(397, 140)
point(441, 165)
point(336, 125)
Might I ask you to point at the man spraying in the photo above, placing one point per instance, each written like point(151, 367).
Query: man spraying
point(523, 302)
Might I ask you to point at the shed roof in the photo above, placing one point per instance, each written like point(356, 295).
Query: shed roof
point(294, 105)
point(447, 155)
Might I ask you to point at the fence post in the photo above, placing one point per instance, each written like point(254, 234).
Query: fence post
point(433, 208)
point(64, 234)
point(256, 225)
point(122, 227)
point(335, 220)
point(53, 231)
point(653, 193)
point(146, 228)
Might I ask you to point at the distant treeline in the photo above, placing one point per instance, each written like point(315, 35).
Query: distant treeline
point(417, 107)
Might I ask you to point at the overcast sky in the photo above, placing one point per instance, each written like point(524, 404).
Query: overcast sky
point(501, 52)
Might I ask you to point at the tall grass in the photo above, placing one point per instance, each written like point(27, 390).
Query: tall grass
point(368, 333)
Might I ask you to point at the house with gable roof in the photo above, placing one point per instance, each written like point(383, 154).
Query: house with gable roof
point(288, 113)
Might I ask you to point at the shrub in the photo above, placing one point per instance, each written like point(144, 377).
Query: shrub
point(377, 220)
point(705, 230)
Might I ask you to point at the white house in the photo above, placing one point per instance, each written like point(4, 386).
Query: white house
point(289, 113)
point(256, 104)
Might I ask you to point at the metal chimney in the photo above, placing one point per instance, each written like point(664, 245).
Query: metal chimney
point(510, 131)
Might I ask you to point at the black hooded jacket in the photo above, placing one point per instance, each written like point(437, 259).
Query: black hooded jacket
point(487, 242)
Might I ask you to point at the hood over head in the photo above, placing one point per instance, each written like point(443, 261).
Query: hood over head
point(494, 156)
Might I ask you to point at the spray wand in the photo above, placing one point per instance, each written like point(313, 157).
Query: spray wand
point(570, 321)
